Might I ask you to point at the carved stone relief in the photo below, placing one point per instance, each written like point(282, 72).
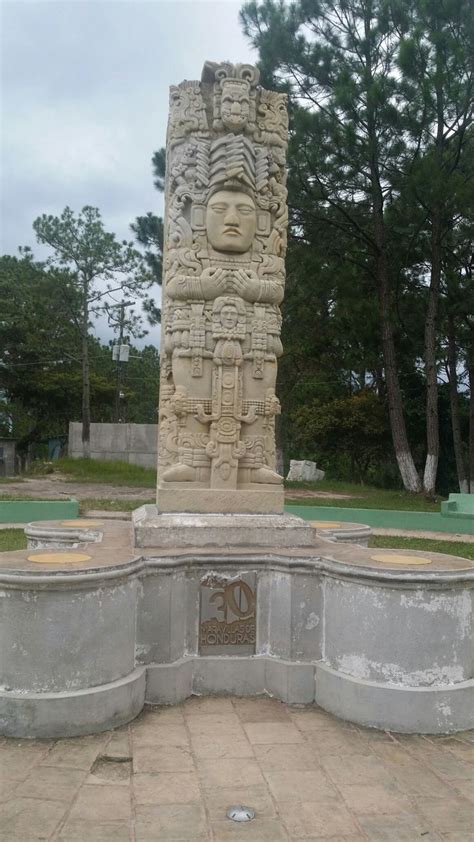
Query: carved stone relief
point(225, 241)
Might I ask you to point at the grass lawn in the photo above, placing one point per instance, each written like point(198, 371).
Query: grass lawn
point(361, 497)
point(11, 479)
point(105, 505)
point(12, 539)
point(101, 470)
point(459, 548)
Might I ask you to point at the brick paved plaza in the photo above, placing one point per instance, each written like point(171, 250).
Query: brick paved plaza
point(172, 774)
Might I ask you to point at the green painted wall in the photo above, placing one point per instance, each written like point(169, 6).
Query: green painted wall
point(389, 519)
point(25, 511)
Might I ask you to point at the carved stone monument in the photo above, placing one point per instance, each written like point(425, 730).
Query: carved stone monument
point(224, 273)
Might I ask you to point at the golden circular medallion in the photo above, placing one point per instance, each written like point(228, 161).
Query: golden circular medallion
point(59, 557)
point(81, 522)
point(396, 558)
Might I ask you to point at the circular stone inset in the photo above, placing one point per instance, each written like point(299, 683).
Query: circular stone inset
point(395, 558)
point(80, 522)
point(58, 557)
point(326, 524)
point(239, 813)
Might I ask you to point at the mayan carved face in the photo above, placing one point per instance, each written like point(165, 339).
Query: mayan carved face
point(235, 104)
point(231, 221)
point(229, 316)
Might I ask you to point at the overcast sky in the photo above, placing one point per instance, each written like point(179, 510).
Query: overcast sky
point(84, 94)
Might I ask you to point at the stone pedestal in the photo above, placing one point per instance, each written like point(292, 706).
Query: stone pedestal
point(180, 531)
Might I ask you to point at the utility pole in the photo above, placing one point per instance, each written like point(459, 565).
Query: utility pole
point(119, 321)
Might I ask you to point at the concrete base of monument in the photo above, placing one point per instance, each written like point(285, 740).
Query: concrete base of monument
point(153, 528)
point(96, 628)
point(266, 499)
point(73, 713)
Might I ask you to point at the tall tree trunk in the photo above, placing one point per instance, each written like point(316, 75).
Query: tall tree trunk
point(431, 373)
point(406, 465)
point(86, 407)
point(454, 401)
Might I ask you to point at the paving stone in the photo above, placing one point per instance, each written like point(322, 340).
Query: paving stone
point(18, 759)
point(118, 745)
point(79, 830)
point(163, 758)
point(110, 770)
point(214, 705)
point(316, 719)
point(272, 732)
point(183, 822)
point(405, 827)
point(258, 830)
point(206, 747)
point(447, 814)
point(464, 788)
point(447, 766)
point(328, 818)
point(272, 756)
point(393, 753)
point(7, 788)
point(416, 780)
point(261, 710)
point(231, 772)
point(166, 788)
point(375, 798)
point(163, 713)
point(160, 733)
point(355, 769)
point(461, 750)
point(204, 725)
point(219, 800)
point(338, 742)
point(74, 754)
point(53, 783)
point(25, 819)
point(299, 785)
point(101, 804)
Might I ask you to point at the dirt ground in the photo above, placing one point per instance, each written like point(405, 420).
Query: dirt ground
point(53, 487)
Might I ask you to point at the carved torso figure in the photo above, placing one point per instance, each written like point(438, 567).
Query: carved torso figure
point(225, 238)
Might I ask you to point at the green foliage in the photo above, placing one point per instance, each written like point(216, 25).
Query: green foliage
point(354, 427)
point(112, 505)
point(113, 472)
point(381, 170)
point(464, 549)
point(365, 497)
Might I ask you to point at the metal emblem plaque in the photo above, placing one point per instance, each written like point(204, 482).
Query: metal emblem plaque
point(227, 623)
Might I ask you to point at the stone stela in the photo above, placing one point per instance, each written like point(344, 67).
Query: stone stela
point(228, 615)
point(225, 241)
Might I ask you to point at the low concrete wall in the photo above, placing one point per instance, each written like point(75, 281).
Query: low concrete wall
point(387, 519)
point(134, 443)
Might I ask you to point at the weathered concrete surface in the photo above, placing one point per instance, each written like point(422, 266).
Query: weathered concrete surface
point(382, 642)
point(133, 443)
point(156, 529)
